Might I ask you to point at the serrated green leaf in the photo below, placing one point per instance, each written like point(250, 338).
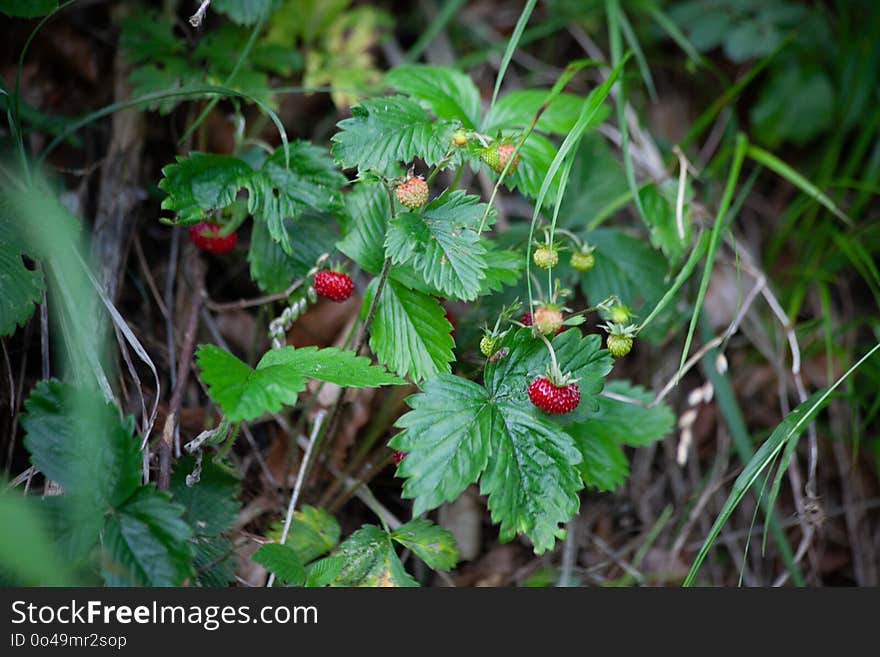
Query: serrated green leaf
point(272, 268)
point(625, 266)
point(502, 268)
point(429, 542)
point(20, 288)
point(535, 157)
point(387, 130)
point(628, 424)
point(28, 8)
point(370, 560)
point(448, 93)
point(603, 466)
point(211, 504)
point(245, 393)
point(77, 439)
point(410, 333)
point(368, 209)
point(658, 203)
point(530, 478)
point(517, 108)
point(244, 12)
point(582, 356)
point(324, 571)
point(199, 182)
point(147, 542)
point(447, 437)
point(214, 561)
point(313, 532)
point(147, 36)
point(165, 73)
point(442, 244)
point(286, 189)
point(283, 562)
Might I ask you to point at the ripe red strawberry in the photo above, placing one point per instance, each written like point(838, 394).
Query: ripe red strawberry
point(333, 285)
point(398, 456)
point(412, 193)
point(526, 318)
point(554, 399)
point(206, 236)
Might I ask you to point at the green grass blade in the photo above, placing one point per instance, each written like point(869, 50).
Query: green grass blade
point(782, 169)
point(715, 238)
point(591, 105)
point(450, 9)
point(612, 9)
point(511, 47)
point(146, 99)
point(634, 45)
point(683, 275)
point(788, 430)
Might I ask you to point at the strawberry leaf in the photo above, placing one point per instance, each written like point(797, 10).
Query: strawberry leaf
point(629, 424)
point(604, 465)
point(313, 533)
point(147, 542)
point(516, 109)
point(387, 130)
point(447, 437)
point(367, 210)
point(245, 393)
point(442, 244)
point(200, 182)
point(77, 439)
point(432, 544)
point(286, 189)
point(281, 189)
point(458, 431)
point(283, 562)
point(409, 332)
point(625, 266)
point(28, 8)
point(448, 93)
point(210, 506)
point(20, 288)
point(369, 559)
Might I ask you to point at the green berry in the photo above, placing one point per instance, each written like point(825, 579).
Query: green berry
point(619, 345)
point(488, 345)
point(497, 156)
point(582, 261)
point(545, 257)
point(620, 314)
point(459, 137)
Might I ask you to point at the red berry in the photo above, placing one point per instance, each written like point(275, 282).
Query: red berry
point(206, 236)
point(526, 318)
point(333, 285)
point(449, 319)
point(551, 398)
point(412, 193)
point(398, 456)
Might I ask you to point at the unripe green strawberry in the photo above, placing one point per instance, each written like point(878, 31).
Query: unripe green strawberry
point(620, 314)
point(412, 193)
point(459, 137)
point(488, 344)
point(619, 345)
point(497, 156)
point(582, 261)
point(548, 320)
point(545, 257)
